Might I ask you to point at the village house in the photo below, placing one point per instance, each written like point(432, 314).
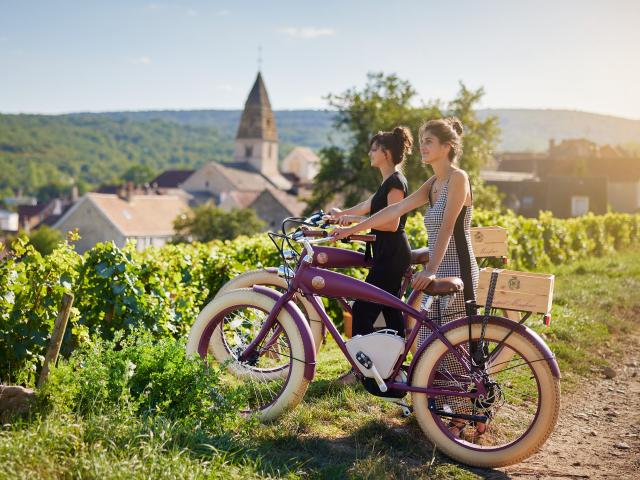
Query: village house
point(101, 217)
point(572, 178)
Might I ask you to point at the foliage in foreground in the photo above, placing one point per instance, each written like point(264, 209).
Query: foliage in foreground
point(143, 375)
point(163, 289)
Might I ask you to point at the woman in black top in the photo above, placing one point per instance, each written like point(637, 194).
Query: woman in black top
point(391, 253)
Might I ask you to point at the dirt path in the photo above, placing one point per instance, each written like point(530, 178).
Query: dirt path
point(598, 433)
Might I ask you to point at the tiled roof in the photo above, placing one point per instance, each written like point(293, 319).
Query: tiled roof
point(302, 153)
point(503, 176)
point(28, 211)
point(144, 215)
point(239, 199)
point(242, 176)
point(288, 201)
point(171, 178)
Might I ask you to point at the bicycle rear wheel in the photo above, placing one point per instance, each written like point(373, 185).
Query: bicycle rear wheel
point(521, 405)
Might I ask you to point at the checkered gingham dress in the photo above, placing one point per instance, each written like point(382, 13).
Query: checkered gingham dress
point(457, 254)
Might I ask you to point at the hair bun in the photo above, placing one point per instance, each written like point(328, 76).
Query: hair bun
point(405, 139)
point(456, 125)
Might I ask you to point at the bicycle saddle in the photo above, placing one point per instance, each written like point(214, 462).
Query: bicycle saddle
point(444, 286)
point(419, 256)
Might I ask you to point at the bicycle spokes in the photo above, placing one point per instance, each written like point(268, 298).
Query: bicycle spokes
point(502, 414)
point(263, 375)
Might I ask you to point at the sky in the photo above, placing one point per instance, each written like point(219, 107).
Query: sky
point(61, 56)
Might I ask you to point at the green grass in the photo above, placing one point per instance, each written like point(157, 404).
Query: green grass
point(337, 432)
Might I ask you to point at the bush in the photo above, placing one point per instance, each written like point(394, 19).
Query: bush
point(143, 376)
point(45, 239)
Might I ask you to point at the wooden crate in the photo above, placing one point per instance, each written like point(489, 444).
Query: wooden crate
point(489, 242)
point(522, 291)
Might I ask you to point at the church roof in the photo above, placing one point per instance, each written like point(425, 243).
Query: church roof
point(171, 178)
point(241, 176)
point(257, 119)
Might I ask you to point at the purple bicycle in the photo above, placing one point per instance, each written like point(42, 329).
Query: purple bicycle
point(457, 375)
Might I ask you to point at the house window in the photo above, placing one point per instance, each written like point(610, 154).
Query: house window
point(248, 151)
point(579, 205)
point(526, 201)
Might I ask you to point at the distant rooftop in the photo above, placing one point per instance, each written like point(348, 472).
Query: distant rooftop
point(171, 178)
point(499, 176)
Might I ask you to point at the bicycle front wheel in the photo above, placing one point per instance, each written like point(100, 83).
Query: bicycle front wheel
point(268, 277)
point(272, 379)
point(521, 405)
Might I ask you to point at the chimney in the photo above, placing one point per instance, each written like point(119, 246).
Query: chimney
point(129, 191)
point(552, 144)
point(74, 193)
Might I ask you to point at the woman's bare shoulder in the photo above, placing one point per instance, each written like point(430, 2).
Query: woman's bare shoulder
point(459, 174)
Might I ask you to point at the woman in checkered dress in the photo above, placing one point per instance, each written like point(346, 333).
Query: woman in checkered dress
point(448, 221)
point(458, 260)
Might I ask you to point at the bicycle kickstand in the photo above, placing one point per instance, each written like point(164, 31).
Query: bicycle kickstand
point(406, 408)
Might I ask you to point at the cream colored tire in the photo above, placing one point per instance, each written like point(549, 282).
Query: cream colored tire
point(523, 447)
point(296, 383)
point(269, 278)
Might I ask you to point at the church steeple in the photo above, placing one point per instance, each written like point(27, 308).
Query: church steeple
point(257, 137)
point(258, 121)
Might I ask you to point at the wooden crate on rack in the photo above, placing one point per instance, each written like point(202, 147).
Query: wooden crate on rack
point(489, 242)
point(521, 291)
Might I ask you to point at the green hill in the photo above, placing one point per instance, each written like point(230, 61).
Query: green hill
point(98, 148)
point(531, 130)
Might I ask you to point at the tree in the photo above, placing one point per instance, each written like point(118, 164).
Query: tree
point(385, 102)
point(206, 222)
point(53, 190)
point(45, 239)
point(139, 174)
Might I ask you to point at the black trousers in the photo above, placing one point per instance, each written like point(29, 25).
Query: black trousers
point(366, 313)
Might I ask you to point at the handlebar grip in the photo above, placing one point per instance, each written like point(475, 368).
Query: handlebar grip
point(363, 238)
point(314, 233)
point(352, 221)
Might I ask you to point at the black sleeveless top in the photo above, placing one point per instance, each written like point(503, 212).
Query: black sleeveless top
point(391, 250)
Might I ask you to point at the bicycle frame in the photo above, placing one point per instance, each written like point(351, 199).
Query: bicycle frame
point(313, 282)
point(332, 257)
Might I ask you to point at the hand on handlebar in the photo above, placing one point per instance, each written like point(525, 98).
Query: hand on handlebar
point(341, 233)
point(421, 280)
point(342, 220)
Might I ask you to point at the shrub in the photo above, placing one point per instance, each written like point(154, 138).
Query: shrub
point(143, 376)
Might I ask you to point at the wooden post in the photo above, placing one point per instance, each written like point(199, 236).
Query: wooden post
point(56, 337)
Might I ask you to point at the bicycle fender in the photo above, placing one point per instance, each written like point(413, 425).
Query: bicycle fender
point(525, 331)
point(307, 339)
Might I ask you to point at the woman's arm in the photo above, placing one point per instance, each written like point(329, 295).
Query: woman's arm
point(386, 215)
point(394, 196)
point(362, 208)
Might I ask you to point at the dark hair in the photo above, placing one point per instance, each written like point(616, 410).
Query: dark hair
point(446, 130)
point(398, 143)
